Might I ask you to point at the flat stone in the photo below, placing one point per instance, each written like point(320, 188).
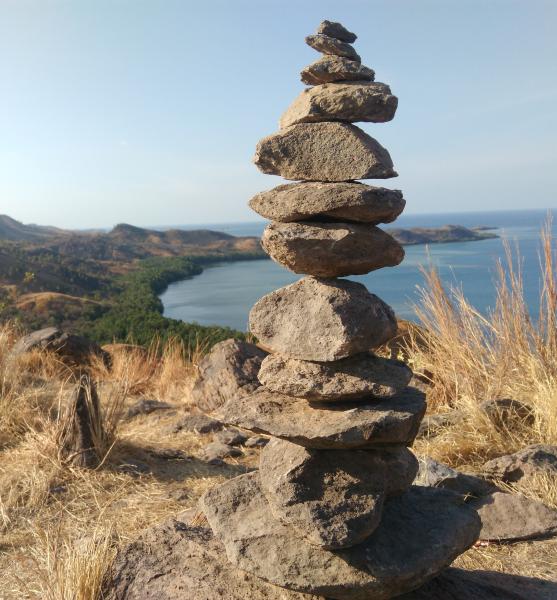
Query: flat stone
point(421, 533)
point(361, 376)
point(330, 69)
point(336, 30)
point(329, 201)
point(257, 441)
point(323, 152)
point(435, 474)
point(321, 319)
point(530, 461)
point(330, 426)
point(351, 102)
point(333, 498)
point(146, 406)
point(513, 517)
point(196, 422)
point(330, 45)
point(331, 249)
point(177, 560)
point(214, 452)
point(228, 371)
point(232, 437)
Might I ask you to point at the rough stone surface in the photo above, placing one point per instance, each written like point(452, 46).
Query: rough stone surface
point(257, 441)
point(228, 371)
point(216, 451)
point(506, 413)
point(146, 406)
point(321, 319)
point(513, 517)
point(330, 426)
point(179, 561)
point(331, 249)
point(351, 102)
point(232, 437)
point(329, 45)
point(323, 152)
point(336, 30)
point(330, 69)
point(196, 422)
point(436, 474)
point(432, 425)
point(359, 376)
point(334, 498)
point(532, 460)
point(329, 201)
point(421, 533)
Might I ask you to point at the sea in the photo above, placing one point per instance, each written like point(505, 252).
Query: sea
point(224, 293)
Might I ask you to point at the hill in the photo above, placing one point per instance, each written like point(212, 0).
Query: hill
point(13, 230)
point(438, 235)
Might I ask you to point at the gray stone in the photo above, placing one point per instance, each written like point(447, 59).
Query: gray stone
point(513, 517)
point(228, 371)
point(361, 376)
point(329, 201)
point(177, 560)
point(530, 461)
point(232, 437)
point(507, 413)
point(323, 152)
point(330, 69)
point(134, 467)
point(336, 30)
point(421, 533)
point(432, 425)
point(330, 426)
point(257, 441)
point(331, 249)
point(321, 319)
point(329, 45)
point(145, 406)
point(196, 422)
point(349, 101)
point(334, 498)
point(436, 474)
point(216, 451)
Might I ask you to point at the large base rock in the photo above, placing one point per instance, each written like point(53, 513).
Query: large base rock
point(334, 498)
point(331, 249)
point(421, 533)
point(362, 376)
point(321, 319)
point(323, 152)
point(329, 426)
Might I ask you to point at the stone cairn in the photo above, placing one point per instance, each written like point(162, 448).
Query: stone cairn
point(331, 511)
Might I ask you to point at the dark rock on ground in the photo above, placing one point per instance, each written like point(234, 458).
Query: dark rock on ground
point(432, 425)
point(228, 371)
point(134, 467)
point(329, 425)
point(257, 441)
point(145, 406)
point(532, 460)
point(169, 454)
point(216, 451)
point(421, 532)
point(232, 437)
point(196, 422)
point(336, 30)
point(506, 412)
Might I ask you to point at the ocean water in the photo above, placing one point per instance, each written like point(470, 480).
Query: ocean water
point(224, 293)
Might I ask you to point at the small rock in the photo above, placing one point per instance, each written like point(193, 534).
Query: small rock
point(257, 441)
point(532, 460)
point(334, 201)
point(232, 437)
point(321, 319)
point(134, 467)
point(329, 426)
point(436, 474)
point(228, 371)
point(169, 454)
point(330, 45)
point(359, 376)
point(196, 422)
point(214, 452)
point(336, 30)
point(146, 407)
point(331, 249)
point(330, 69)
point(506, 412)
point(334, 498)
point(323, 152)
point(513, 517)
point(349, 101)
point(432, 425)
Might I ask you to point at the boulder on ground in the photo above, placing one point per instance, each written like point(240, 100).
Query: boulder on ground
point(331, 249)
point(330, 45)
point(177, 560)
point(421, 532)
point(330, 69)
point(334, 498)
point(322, 201)
point(329, 426)
point(360, 376)
point(228, 371)
point(214, 452)
point(321, 319)
point(433, 424)
point(196, 422)
point(336, 30)
point(230, 436)
point(349, 101)
point(532, 460)
point(323, 152)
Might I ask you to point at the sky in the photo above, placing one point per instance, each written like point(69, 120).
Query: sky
point(148, 111)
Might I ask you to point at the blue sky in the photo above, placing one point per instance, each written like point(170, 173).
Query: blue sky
point(148, 112)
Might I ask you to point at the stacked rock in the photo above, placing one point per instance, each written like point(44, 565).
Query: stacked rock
point(332, 511)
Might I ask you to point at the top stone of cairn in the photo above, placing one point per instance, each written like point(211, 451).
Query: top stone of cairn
point(336, 30)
